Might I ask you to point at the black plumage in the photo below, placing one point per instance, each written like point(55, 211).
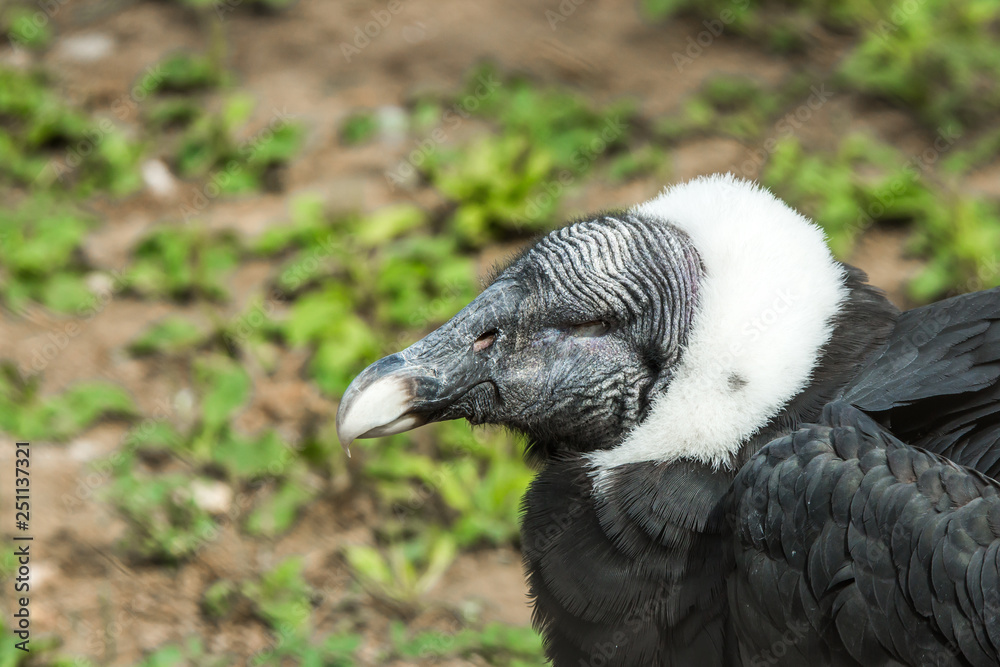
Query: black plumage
point(857, 524)
point(893, 542)
point(633, 577)
point(936, 383)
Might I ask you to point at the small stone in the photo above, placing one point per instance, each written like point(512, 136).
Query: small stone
point(158, 179)
point(83, 450)
point(184, 401)
point(212, 496)
point(99, 283)
point(86, 48)
point(42, 572)
point(393, 124)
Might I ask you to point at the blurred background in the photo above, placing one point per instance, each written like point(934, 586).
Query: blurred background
point(215, 212)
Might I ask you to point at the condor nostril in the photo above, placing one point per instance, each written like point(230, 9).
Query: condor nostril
point(484, 341)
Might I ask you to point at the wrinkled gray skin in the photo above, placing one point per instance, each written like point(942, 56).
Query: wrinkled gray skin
point(574, 338)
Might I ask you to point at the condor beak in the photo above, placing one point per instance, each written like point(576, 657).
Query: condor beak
point(380, 402)
point(422, 383)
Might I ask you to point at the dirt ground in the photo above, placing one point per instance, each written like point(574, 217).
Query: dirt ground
point(114, 611)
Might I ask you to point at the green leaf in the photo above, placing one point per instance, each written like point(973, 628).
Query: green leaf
point(244, 458)
point(358, 128)
point(170, 336)
point(24, 29)
point(67, 293)
point(282, 597)
point(278, 512)
point(368, 563)
point(217, 599)
point(185, 72)
point(164, 522)
point(389, 223)
point(225, 388)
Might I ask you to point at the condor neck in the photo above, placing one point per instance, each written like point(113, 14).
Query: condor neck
point(640, 567)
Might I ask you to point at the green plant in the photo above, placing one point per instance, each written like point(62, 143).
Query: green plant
point(334, 651)
point(865, 182)
point(404, 570)
point(20, 26)
point(214, 445)
point(979, 151)
point(47, 144)
point(188, 72)
point(358, 128)
point(278, 510)
point(282, 597)
point(38, 650)
point(960, 237)
point(479, 483)
point(165, 523)
point(8, 565)
point(343, 340)
point(168, 520)
point(26, 414)
point(213, 145)
point(192, 654)
point(223, 388)
point(183, 262)
point(382, 264)
point(217, 600)
point(510, 184)
point(561, 123)
point(308, 228)
point(734, 106)
point(499, 644)
point(780, 25)
point(937, 57)
point(172, 335)
point(222, 7)
point(645, 160)
point(172, 113)
point(421, 280)
point(839, 190)
point(40, 256)
point(499, 186)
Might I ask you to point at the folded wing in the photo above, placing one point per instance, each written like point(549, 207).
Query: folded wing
point(936, 384)
point(855, 548)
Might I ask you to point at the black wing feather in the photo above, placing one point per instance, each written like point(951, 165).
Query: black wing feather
point(936, 383)
point(889, 553)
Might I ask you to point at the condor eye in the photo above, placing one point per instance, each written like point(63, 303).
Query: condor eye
point(484, 341)
point(590, 329)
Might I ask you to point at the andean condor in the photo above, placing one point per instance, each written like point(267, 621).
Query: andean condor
point(746, 455)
